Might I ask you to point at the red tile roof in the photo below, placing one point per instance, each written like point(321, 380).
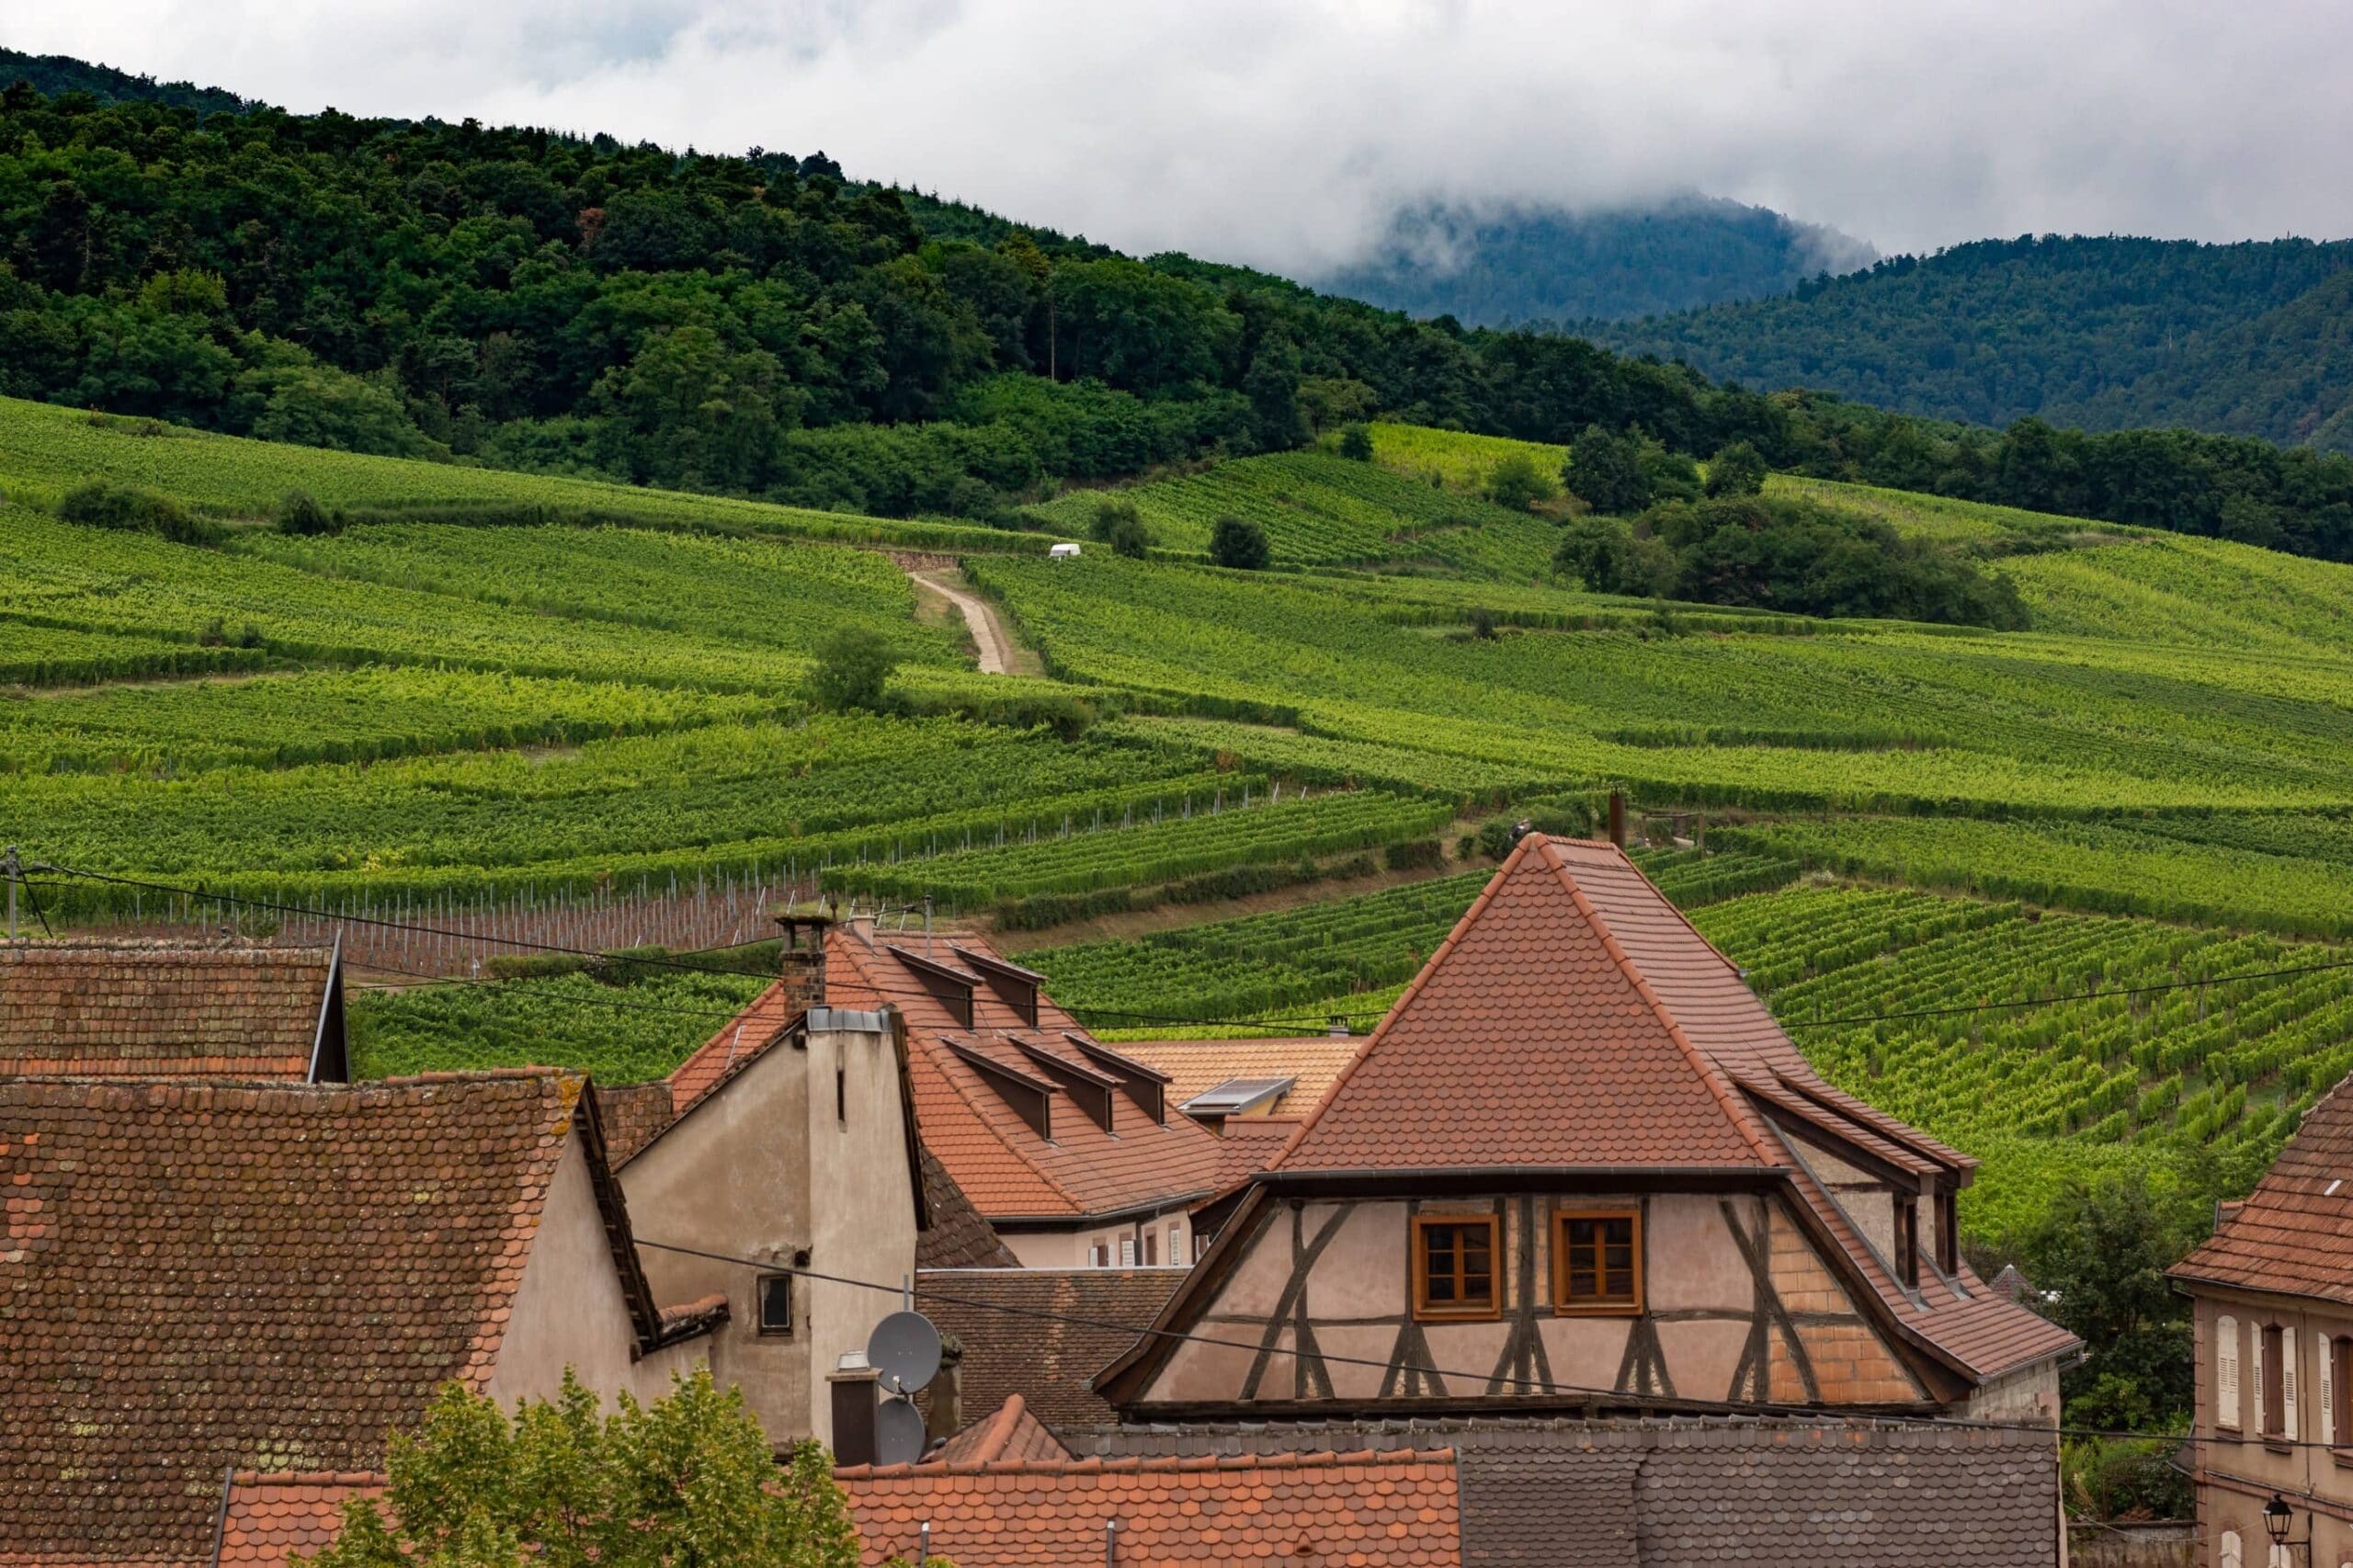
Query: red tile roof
point(1366, 1509)
point(2294, 1232)
point(272, 1518)
point(202, 1275)
point(1251, 1143)
point(152, 1009)
point(1575, 1019)
point(1008, 1433)
point(1004, 1166)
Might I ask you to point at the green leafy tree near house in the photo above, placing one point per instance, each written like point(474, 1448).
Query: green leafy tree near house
point(688, 1479)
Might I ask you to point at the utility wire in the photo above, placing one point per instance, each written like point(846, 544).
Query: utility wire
point(1598, 1395)
point(378, 922)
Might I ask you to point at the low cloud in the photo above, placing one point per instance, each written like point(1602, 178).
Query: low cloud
point(1285, 132)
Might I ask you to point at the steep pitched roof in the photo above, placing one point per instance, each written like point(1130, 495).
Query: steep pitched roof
point(271, 1517)
point(1372, 1510)
point(960, 1235)
point(1312, 1062)
point(1040, 1333)
point(1531, 1037)
point(201, 1276)
point(118, 1010)
point(1575, 1019)
point(2294, 1232)
point(961, 1072)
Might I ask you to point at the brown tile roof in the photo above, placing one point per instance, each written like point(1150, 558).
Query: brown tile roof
point(960, 1236)
point(154, 1010)
point(1193, 1066)
point(1575, 1019)
point(1018, 1340)
point(1250, 1145)
point(1370, 1510)
point(1004, 1166)
point(270, 1518)
point(1009, 1432)
point(1629, 1494)
point(2294, 1232)
point(202, 1275)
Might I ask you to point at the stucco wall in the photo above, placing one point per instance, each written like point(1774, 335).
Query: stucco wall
point(1074, 1247)
point(569, 1311)
point(1694, 1340)
point(764, 1169)
point(2249, 1468)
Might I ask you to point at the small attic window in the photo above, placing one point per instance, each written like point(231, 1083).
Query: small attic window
point(776, 1306)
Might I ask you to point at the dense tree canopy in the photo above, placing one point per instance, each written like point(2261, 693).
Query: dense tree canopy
point(762, 325)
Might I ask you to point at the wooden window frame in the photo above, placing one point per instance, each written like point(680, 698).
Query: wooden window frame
point(1610, 1307)
point(1455, 1312)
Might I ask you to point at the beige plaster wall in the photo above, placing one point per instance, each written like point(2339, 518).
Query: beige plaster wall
point(1073, 1248)
point(2264, 1465)
point(569, 1309)
point(861, 1198)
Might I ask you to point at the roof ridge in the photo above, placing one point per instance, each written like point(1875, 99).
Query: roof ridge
point(1397, 1008)
point(1711, 1073)
point(1155, 1464)
point(313, 1478)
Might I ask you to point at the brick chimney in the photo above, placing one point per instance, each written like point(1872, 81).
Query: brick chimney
point(803, 964)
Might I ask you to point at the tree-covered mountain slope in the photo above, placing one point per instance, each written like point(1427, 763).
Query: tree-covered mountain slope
point(1535, 265)
point(2104, 333)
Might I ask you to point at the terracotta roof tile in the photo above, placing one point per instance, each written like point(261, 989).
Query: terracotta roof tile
point(1004, 1167)
point(197, 1275)
point(1013, 1349)
point(1575, 1017)
point(2294, 1232)
point(1371, 1510)
point(1314, 1063)
point(1009, 1432)
point(271, 1518)
point(959, 1236)
point(153, 1009)
point(1251, 1143)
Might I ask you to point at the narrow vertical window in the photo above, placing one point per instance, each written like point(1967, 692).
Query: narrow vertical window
point(2337, 1395)
point(2227, 1405)
point(2271, 1393)
point(1151, 1249)
point(841, 1092)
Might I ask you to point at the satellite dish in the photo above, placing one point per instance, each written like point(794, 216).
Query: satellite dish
point(898, 1431)
point(905, 1349)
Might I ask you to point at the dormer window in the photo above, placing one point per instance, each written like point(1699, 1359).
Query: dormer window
point(1908, 1242)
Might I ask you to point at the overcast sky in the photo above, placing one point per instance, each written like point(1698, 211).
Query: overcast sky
point(1282, 132)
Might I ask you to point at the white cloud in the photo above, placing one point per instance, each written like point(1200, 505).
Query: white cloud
point(1283, 131)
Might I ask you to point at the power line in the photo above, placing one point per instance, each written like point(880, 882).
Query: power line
point(379, 923)
point(1539, 1385)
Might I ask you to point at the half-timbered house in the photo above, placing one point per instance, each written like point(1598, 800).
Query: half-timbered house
point(1579, 1165)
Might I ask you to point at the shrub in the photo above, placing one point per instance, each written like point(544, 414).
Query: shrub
point(298, 514)
point(1518, 484)
point(1239, 543)
point(853, 669)
point(1356, 443)
point(1737, 469)
point(1120, 526)
point(99, 504)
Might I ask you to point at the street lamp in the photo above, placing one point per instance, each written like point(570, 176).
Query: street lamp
point(2277, 1517)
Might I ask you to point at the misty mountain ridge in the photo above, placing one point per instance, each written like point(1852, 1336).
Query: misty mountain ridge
point(1535, 265)
point(2106, 333)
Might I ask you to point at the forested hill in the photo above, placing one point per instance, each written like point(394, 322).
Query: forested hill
point(2104, 333)
point(1549, 266)
point(54, 74)
point(765, 326)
